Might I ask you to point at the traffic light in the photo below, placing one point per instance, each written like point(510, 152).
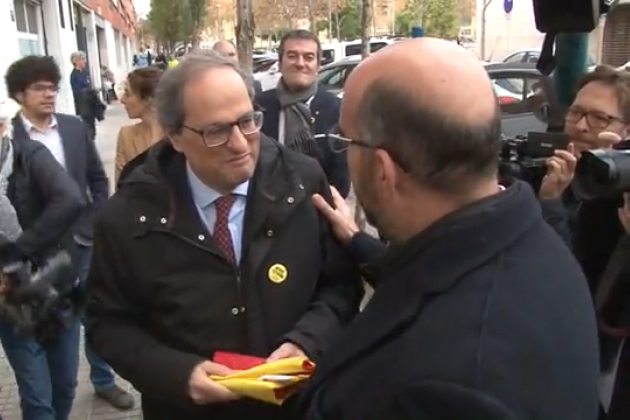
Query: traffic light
point(558, 16)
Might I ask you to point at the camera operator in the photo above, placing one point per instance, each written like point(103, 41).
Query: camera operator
point(600, 118)
point(43, 205)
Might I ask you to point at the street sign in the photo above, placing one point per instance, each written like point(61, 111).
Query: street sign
point(508, 5)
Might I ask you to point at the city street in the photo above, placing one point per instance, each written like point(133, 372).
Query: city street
point(86, 406)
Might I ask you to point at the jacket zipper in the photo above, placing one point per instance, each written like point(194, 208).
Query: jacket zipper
point(240, 306)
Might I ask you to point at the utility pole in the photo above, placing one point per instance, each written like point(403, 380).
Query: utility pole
point(366, 21)
point(420, 13)
point(245, 27)
point(482, 37)
point(330, 33)
point(311, 17)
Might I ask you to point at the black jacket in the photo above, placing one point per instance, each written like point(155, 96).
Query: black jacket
point(47, 201)
point(483, 316)
point(154, 318)
point(82, 163)
point(325, 112)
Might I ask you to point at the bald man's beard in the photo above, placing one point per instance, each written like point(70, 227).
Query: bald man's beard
point(368, 199)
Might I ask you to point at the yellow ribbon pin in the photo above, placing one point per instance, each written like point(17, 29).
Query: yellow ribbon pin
point(277, 273)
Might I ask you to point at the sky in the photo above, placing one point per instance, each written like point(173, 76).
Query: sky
point(142, 6)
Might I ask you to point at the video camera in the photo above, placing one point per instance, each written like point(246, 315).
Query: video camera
point(603, 173)
point(41, 300)
point(524, 157)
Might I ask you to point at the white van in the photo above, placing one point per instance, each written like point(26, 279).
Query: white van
point(335, 51)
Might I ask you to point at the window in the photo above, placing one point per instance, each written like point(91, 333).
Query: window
point(515, 58)
point(328, 56)
point(335, 77)
point(532, 57)
point(26, 17)
point(520, 95)
point(62, 18)
point(353, 49)
point(27, 20)
point(20, 16)
point(375, 46)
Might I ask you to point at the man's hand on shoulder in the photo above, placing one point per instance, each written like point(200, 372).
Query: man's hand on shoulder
point(203, 390)
point(340, 216)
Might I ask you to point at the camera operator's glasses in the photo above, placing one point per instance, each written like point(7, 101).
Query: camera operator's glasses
point(219, 134)
point(594, 119)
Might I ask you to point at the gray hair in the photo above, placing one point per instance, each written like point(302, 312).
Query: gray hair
point(75, 55)
point(169, 95)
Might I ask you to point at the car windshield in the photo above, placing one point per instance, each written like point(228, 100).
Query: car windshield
point(513, 85)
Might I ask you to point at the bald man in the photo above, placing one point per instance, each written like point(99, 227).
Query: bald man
point(480, 311)
point(228, 49)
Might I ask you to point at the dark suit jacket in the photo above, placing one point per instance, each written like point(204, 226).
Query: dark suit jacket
point(484, 316)
point(257, 87)
point(325, 111)
point(82, 163)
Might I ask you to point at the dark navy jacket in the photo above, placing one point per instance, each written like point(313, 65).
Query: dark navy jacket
point(325, 111)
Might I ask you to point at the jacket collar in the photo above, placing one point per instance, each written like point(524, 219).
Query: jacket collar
point(422, 267)
point(160, 186)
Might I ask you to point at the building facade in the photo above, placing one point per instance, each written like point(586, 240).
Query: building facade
point(103, 29)
point(507, 30)
point(616, 35)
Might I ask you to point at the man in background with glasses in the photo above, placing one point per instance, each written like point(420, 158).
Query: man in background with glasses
point(212, 245)
point(598, 118)
point(33, 82)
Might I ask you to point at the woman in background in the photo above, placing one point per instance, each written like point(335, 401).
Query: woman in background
point(138, 101)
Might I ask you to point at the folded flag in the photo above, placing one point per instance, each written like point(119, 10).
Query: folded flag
point(269, 382)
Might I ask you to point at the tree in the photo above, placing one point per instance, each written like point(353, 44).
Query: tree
point(466, 11)
point(440, 18)
point(166, 21)
point(245, 32)
point(345, 22)
point(194, 19)
point(405, 20)
point(482, 39)
point(143, 31)
point(366, 22)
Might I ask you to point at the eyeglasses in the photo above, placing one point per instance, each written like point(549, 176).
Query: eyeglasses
point(43, 87)
point(218, 134)
point(339, 144)
point(594, 119)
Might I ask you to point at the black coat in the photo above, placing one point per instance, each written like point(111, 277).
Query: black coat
point(163, 298)
point(483, 316)
point(47, 201)
point(83, 164)
point(325, 111)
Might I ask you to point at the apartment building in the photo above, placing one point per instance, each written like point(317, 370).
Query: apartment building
point(103, 29)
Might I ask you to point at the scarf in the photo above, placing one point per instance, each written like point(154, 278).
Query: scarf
point(9, 225)
point(298, 133)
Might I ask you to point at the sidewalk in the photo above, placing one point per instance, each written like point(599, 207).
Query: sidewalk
point(86, 407)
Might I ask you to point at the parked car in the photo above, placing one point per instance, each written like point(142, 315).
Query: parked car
point(531, 55)
point(526, 97)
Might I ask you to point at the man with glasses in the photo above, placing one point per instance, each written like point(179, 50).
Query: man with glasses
point(212, 244)
point(47, 371)
point(598, 118)
point(479, 309)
